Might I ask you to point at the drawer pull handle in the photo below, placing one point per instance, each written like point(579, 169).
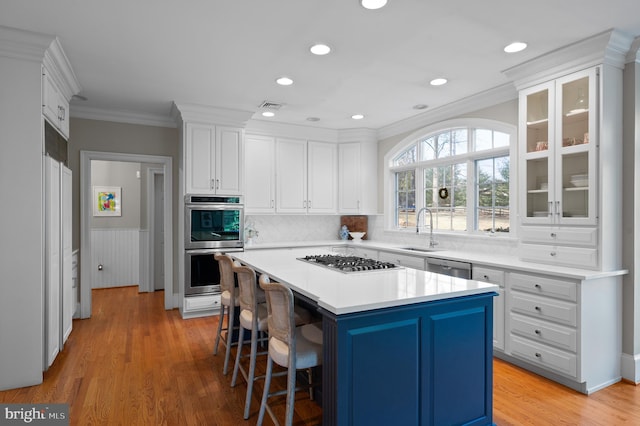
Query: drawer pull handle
point(537, 308)
point(537, 332)
point(538, 355)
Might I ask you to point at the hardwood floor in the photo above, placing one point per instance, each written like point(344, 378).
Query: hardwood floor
point(133, 363)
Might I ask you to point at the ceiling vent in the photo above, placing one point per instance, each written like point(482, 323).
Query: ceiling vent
point(272, 106)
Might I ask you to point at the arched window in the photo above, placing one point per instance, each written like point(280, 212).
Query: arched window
point(459, 170)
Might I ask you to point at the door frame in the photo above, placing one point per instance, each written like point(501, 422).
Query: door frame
point(85, 216)
point(151, 174)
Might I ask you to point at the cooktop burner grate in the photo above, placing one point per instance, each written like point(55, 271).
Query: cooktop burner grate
point(348, 263)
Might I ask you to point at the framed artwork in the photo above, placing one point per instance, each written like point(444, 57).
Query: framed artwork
point(107, 201)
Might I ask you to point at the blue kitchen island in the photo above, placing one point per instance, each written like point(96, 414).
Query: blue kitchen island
point(401, 346)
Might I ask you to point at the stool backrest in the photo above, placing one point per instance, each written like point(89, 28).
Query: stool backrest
point(227, 279)
point(248, 287)
point(280, 306)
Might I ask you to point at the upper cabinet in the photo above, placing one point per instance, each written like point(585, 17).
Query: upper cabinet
point(558, 141)
point(357, 178)
point(306, 176)
point(570, 153)
point(212, 149)
point(55, 106)
point(260, 174)
point(213, 158)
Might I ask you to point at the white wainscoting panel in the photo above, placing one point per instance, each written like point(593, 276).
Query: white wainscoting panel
point(117, 250)
point(144, 272)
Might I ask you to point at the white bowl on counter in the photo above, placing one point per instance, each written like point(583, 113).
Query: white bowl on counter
point(357, 236)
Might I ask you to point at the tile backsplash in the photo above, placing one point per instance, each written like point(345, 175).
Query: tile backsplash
point(294, 228)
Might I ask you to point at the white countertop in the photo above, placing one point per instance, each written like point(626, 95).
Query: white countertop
point(486, 259)
point(342, 293)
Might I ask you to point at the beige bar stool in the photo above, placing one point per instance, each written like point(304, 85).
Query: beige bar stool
point(228, 301)
point(253, 316)
point(290, 346)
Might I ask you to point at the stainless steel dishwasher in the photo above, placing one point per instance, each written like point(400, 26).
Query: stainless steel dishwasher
point(449, 267)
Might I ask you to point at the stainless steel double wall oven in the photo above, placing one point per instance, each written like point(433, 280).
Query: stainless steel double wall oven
point(213, 224)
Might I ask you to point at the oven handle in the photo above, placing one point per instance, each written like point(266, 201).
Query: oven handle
point(214, 250)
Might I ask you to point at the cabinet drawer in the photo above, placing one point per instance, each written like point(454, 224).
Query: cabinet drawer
point(197, 303)
point(566, 290)
point(560, 236)
point(404, 260)
point(544, 332)
point(543, 308)
point(574, 257)
point(544, 356)
point(490, 275)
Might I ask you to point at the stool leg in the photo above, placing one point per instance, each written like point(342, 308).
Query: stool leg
point(230, 325)
point(252, 371)
point(239, 352)
point(265, 392)
point(220, 321)
point(291, 391)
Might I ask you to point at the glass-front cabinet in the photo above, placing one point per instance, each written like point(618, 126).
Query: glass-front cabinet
point(558, 139)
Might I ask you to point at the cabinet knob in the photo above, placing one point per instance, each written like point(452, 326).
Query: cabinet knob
point(552, 254)
point(538, 355)
point(553, 235)
point(538, 286)
point(486, 277)
point(537, 332)
point(538, 308)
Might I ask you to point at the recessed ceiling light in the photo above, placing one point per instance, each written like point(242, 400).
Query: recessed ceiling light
point(357, 116)
point(373, 4)
point(268, 114)
point(420, 106)
point(438, 81)
point(284, 81)
point(320, 49)
point(515, 47)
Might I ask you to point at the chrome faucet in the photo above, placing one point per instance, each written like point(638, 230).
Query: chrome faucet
point(432, 242)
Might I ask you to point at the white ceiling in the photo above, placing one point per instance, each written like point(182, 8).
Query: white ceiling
point(137, 56)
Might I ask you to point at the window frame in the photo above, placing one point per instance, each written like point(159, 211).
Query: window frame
point(469, 158)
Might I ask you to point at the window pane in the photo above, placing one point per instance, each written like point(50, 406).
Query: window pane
point(492, 194)
point(444, 145)
point(428, 148)
point(484, 139)
point(407, 157)
point(500, 139)
point(446, 195)
point(405, 198)
point(460, 141)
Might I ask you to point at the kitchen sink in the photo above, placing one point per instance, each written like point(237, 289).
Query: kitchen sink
point(423, 249)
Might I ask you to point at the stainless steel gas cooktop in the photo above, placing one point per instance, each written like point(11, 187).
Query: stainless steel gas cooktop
point(348, 263)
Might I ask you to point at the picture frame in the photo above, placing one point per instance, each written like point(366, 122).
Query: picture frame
point(107, 201)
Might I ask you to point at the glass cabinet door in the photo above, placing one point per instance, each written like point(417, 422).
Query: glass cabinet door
point(575, 166)
point(558, 128)
point(536, 104)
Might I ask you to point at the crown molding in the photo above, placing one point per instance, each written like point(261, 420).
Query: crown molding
point(24, 45)
point(121, 116)
point(488, 98)
point(182, 112)
point(609, 47)
point(57, 63)
point(284, 130)
point(634, 52)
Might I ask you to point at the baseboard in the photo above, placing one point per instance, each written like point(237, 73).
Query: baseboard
point(631, 368)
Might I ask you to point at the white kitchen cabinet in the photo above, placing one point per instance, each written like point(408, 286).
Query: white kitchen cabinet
point(565, 329)
point(558, 139)
point(306, 176)
point(260, 175)
point(213, 159)
point(494, 276)
point(55, 106)
point(59, 302)
point(357, 178)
